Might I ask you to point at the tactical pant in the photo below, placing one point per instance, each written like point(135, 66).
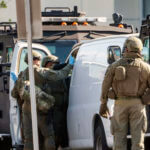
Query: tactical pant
point(45, 130)
point(60, 128)
point(129, 112)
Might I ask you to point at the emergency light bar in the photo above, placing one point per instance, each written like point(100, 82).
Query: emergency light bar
point(72, 19)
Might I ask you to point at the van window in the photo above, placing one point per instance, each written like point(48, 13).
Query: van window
point(22, 64)
point(114, 53)
point(9, 54)
point(60, 48)
point(6, 54)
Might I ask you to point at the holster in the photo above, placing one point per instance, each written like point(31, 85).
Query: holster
point(111, 94)
point(146, 97)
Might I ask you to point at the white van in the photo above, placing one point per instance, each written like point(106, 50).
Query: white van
point(86, 129)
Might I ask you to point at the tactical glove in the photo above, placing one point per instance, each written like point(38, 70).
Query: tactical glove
point(71, 60)
point(13, 76)
point(104, 111)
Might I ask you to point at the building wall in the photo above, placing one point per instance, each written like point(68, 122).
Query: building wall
point(94, 8)
point(132, 10)
point(146, 6)
point(98, 8)
point(8, 13)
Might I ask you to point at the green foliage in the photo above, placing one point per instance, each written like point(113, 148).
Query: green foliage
point(3, 4)
point(9, 20)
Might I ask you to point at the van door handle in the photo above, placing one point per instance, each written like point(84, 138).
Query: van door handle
point(16, 106)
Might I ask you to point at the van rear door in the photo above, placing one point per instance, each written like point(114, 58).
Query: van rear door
point(17, 66)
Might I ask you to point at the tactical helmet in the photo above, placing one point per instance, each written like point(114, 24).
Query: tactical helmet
point(133, 44)
point(35, 54)
point(50, 58)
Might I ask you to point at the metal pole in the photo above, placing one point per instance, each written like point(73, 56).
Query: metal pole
point(31, 76)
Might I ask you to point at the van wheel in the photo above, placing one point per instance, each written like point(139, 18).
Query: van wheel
point(99, 140)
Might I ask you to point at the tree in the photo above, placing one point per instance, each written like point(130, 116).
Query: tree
point(3, 4)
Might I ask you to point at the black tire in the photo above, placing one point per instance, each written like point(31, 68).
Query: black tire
point(99, 139)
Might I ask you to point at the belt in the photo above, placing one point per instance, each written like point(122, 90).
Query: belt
point(128, 101)
point(128, 98)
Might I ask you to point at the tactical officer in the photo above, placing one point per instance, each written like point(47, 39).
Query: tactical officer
point(59, 91)
point(40, 76)
point(50, 61)
point(126, 81)
point(44, 102)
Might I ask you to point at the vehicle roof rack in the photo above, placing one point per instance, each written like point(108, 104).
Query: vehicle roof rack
point(60, 12)
point(117, 18)
point(8, 27)
point(145, 27)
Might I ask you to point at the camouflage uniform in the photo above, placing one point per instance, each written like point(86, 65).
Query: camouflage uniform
point(41, 75)
point(59, 90)
point(50, 58)
point(127, 79)
point(46, 134)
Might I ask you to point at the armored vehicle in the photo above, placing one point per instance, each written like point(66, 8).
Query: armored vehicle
point(62, 28)
point(7, 39)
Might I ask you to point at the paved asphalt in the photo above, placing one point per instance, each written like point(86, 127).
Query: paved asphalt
point(4, 144)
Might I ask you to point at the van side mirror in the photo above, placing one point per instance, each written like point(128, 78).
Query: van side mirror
point(114, 53)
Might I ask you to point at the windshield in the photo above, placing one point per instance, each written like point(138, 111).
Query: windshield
point(7, 55)
point(60, 48)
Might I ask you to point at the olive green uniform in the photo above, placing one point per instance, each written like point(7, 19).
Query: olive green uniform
point(59, 90)
point(127, 79)
point(60, 93)
point(41, 75)
point(44, 103)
